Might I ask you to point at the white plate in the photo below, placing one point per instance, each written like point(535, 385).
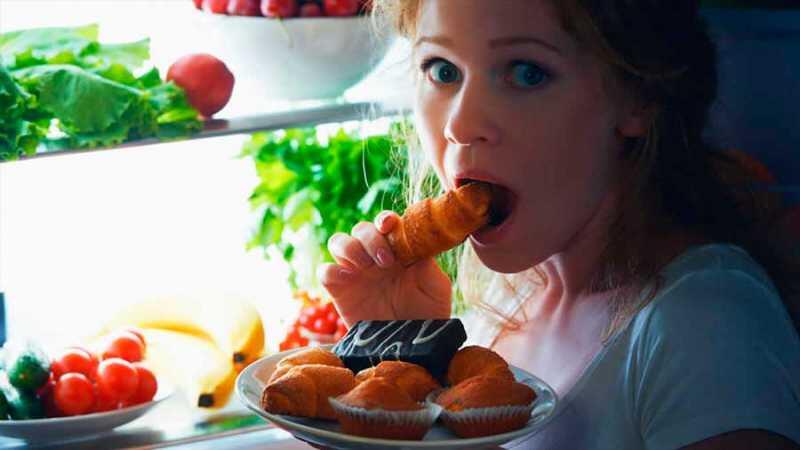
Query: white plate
point(252, 380)
point(61, 427)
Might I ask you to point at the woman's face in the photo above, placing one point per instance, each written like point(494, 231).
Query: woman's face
point(506, 96)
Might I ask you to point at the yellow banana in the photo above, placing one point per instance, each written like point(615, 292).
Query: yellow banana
point(233, 324)
point(193, 364)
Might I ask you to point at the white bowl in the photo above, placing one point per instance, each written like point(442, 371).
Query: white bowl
point(291, 59)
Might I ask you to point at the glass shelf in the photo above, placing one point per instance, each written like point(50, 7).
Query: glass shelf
point(289, 118)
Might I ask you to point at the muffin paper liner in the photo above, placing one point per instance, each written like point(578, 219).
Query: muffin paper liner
point(425, 416)
point(481, 415)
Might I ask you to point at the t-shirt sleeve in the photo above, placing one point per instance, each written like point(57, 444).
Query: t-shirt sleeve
point(713, 354)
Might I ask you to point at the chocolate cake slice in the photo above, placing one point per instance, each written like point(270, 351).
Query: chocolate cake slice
point(428, 343)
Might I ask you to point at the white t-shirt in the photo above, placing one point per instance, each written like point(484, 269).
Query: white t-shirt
point(714, 352)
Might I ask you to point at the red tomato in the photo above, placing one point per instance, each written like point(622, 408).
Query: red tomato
point(244, 7)
point(125, 345)
point(341, 8)
point(198, 4)
point(103, 401)
point(73, 394)
point(279, 8)
point(117, 378)
point(207, 81)
point(148, 386)
point(73, 360)
point(138, 333)
point(216, 6)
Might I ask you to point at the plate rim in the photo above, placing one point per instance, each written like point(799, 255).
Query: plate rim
point(287, 424)
point(168, 391)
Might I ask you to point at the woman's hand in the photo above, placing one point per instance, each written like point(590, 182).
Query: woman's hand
point(366, 282)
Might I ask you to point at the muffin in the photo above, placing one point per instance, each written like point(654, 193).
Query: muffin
point(411, 378)
point(304, 391)
point(476, 360)
point(377, 408)
point(311, 355)
point(486, 404)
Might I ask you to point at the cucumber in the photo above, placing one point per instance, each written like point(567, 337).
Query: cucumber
point(27, 365)
point(3, 405)
point(22, 405)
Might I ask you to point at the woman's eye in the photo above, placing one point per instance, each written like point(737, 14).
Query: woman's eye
point(525, 74)
point(442, 71)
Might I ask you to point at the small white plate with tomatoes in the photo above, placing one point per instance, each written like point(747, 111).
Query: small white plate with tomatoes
point(56, 428)
point(87, 391)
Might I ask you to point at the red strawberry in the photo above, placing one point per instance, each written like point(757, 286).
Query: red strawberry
point(216, 6)
point(310, 10)
point(279, 8)
point(341, 8)
point(244, 7)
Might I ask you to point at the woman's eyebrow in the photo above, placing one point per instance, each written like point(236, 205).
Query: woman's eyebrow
point(494, 43)
point(521, 40)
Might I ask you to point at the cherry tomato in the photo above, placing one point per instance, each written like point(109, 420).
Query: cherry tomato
point(125, 345)
point(332, 317)
point(198, 4)
point(73, 360)
point(103, 401)
point(117, 378)
point(244, 7)
point(216, 6)
point(138, 333)
point(279, 8)
point(73, 394)
point(341, 8)
point(207, 81)
point(148, 385)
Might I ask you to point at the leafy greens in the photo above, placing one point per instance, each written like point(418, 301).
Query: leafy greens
point(89, 90)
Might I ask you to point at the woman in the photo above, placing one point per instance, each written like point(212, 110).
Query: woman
point(626, 269)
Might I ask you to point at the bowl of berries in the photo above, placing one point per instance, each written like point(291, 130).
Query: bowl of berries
point(291, 49)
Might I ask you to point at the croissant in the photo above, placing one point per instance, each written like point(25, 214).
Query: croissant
point(304, 391)
point(411, 378)
point(311, 355)
point(432, 226)
point(474, 360)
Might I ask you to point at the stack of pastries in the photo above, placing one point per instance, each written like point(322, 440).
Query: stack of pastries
point(396, 398)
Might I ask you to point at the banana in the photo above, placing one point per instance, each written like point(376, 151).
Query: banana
point(233, 324)
point(192, 363)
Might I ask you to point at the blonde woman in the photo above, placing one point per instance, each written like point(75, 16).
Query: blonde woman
point(623, 268)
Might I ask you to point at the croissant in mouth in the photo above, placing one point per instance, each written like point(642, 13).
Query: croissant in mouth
point(435, 225)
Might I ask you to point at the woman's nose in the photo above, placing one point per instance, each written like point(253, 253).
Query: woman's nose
point(470, 120)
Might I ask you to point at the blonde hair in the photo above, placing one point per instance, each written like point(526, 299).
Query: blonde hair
point(677, 181)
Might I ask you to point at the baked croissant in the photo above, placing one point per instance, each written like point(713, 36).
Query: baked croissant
point(434, 225)
point(311, 355)
point(411, 378)
point(474, 360)
point(304, 391)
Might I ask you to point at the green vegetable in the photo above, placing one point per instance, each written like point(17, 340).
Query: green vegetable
point(88, 89)
point(313, 187)
point(27, 365)
point(3, 404)
point(22, 405)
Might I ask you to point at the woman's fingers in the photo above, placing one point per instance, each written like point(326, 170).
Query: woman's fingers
point(374, 243)
point(386, 221)
point(335, 278)
point(349, 252)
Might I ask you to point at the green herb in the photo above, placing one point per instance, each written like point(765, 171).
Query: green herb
point(89, 90)
point(313, 187)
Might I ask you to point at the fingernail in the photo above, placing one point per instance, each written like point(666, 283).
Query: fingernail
point(385, 258)
point(382, 219)
point(345, 273)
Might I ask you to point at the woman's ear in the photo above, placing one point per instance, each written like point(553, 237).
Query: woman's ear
point(637, 121)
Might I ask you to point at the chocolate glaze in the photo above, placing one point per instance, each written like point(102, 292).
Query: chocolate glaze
point(428, 343)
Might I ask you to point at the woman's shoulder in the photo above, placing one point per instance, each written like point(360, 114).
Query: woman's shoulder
point(715, 289)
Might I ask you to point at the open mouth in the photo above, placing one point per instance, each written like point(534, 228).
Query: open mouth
point(502, 203)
